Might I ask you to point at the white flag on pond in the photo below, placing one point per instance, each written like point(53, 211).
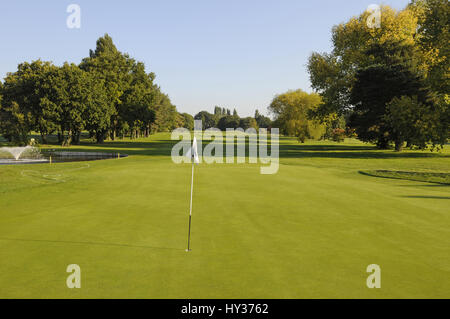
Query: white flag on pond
point(192, 153)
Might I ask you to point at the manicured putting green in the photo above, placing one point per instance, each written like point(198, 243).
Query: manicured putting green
point(309, 231)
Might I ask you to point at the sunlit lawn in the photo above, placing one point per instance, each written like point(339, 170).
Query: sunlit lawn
point(309, 231)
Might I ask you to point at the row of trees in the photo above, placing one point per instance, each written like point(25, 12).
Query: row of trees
point(109, 94)
point(391, 83)
point(223, 119)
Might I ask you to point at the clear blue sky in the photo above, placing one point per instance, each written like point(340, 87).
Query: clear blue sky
point(232, 53)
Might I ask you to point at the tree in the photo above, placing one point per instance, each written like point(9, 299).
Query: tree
point(228, 121)
point(262, 121)
point(135, 103)
point(74, 94)
point(218, 111)
point(114, 69)
point(13, 123)
point(394, 73)
point(248, 122)
point(333, 74)
point(98, 112)
point(369, 67)
point(434, 40)
point(336, 126)
point(208, 119)
point(138, 102)
point(188, 121)
point(218, 114)
point(107, 93)
point(291, 111)
point(413, 121)
point(23, 94)
point(166, 112)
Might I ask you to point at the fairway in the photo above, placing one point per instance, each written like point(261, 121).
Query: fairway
point(309, 231)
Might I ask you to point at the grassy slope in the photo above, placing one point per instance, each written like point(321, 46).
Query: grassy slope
point(308, 231)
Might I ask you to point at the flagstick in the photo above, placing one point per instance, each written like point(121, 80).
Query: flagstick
point(190, 207)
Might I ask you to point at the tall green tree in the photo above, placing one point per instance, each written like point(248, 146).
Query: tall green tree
point(112, 68)
point(229, 121)
point(248, 122)
point(13, 123)
point(393, 73)
point(107, 93)
point(417, 123)
point(217, 110)
point(138, 102)
point(76, 102)
point(208, 119)
point(24, 96)
point(262, 121)
point(188, 121)
point(434, 40)
point(166, 113)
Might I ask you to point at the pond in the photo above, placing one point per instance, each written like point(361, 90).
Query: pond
point(52, 156)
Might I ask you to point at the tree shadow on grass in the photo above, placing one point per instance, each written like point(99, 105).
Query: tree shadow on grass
point(426, 185)
point(408, 177)
point(164, 148)
point(347, 152)
point(428, 197)
point(88, 243)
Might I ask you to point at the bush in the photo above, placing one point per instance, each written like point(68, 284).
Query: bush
point(338, 135)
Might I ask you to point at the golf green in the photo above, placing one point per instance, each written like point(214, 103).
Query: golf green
point(309, 231)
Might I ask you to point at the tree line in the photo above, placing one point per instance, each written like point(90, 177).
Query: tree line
point(387, 85)
point(109, 94)
point(223, 118)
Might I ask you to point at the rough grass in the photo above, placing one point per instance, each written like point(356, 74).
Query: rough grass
point(309, 231)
